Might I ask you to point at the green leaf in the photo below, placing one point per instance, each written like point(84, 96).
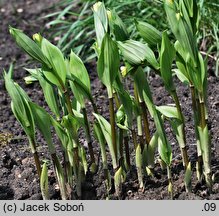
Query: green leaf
point(100, 137)
point(145, 94)
point(188, 177)
point(42, 120)
point(185, 12)
point(180, 62)
point(44, 182)
point(84, 160)
point(30, 79)
point(168, 111)
point(108, 62)
point(106, 130)
point(49, 91)
point(51, 96)
point(61, 133)
point(181, 30)
point(29, 129)
point(190, 11)
point(82, 89)
point(133, 51)
point(178, 129)
point(60, 176)
point(189, 5)
point(100, 21)
point(144, 89)
point(138, 161)
point(78, 70)
point(52, 77)
point(20, 106)
point(165, 152)
point(136, 53)
point(118, 179)
point(118, 27)
point(167, 55)
point(150, 34)
point(80, 117)
point(56, 59)
point(149, 152)
point(18, 100)
point(164, 147)
point(138, 158)
point(181, 76)
point(11, 70)
point(203, 74)
point(195, 75)
point(28, 45)
point(72, 124)
point(205, 148)
point(121, 118)
point(179, 49)
point(126, 101)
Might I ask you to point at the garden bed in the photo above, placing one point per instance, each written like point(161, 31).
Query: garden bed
point(18, 177)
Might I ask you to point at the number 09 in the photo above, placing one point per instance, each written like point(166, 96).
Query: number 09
point(210, 207)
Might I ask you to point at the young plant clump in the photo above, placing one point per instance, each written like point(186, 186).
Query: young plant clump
point(66, 87)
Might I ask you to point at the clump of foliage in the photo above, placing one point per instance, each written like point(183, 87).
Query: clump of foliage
point(59, 77)
point(75, 28)
point(209, 36)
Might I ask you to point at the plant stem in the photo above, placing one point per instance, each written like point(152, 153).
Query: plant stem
point(88, 134)
point(134, 137)
point(118, 104)
point(196, 121)
point(75, 156)
point(202, 109)
point(176, 100)
point(66, 165)
point(139, 119)
point(113, 125)
point(181, 117)
point(36, 156)
point(121, 158)
point(70, 111)
point(140, 135)
point(37, 162)
point(170, 187)
point(206, 147)
point(62, 182)
point(94, 106)
point(127, 154)
point(145, 121)
point(68, 101)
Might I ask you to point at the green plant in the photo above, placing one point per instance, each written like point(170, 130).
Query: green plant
point(55, 77)
point(75, 28)
point(66, 87)
point(208, 34)
point(135, 53)
point(183, 17)
point(167, 54)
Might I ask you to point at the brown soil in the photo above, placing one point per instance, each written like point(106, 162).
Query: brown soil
point(18, 178)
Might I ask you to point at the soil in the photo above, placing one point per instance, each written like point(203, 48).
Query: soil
point(18, 178)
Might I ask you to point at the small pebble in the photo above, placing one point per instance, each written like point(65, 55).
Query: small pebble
point(56, 187)
point(129, 193)
point(20, 10)
point(57, 38)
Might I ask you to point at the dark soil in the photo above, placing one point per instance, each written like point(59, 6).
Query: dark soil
point(18, 178)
